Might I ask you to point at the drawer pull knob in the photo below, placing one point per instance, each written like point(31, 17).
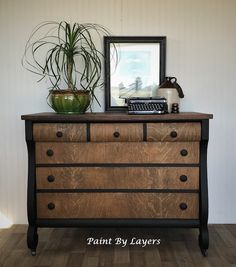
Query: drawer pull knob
point(59, 134)
point(116, 134)
point(173, 134)
point(184, 152)
point(183, 206)
point(51, 206)
point(50, 152)
point(51, 178)
point(183, 178)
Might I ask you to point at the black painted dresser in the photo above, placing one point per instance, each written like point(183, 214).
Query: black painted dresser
point(114, 169)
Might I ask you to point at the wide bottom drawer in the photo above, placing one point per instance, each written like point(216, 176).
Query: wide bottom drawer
point(117, 205)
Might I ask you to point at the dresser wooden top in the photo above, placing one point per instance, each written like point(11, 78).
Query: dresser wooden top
point(114, 116)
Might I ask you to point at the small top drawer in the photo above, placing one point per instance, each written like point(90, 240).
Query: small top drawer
point(188, 131)
point(116, 132)
point(71, 132)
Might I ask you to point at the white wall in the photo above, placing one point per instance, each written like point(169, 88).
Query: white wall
point(201, 52)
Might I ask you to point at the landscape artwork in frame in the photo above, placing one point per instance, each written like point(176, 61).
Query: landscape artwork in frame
point(134, 67)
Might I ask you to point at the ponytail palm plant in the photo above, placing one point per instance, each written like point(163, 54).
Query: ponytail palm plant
point(66, 55)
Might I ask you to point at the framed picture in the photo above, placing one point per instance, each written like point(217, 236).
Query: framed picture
point(134, 67)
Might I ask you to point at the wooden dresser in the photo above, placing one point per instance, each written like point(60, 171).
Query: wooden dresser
point(114, 169)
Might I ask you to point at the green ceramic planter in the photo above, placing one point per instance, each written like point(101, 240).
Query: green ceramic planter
point(69, 102)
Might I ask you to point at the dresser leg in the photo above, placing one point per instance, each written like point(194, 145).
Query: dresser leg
point(32, 239)
point(203, 240)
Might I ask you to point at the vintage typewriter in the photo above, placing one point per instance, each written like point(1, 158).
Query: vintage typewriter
point(147, 105)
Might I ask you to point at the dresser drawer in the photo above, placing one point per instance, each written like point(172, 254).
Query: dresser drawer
point(117, 178)
point(123, 152)
point(116, 132)
point(189, 131)
point(73, 132)
point(117, 205)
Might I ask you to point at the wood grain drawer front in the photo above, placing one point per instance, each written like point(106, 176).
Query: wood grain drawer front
point(117, 205)
point(117, 178)
point(72, 132)
point(123, 152)
point(189, 131)
point(116, 132)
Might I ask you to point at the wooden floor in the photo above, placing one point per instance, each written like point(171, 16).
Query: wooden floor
point(68, 247)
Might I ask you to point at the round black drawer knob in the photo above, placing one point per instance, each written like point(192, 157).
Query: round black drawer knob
point(183, 178)
point(173, 134)
point(51, 178)
point(59, 134)
point(51, 206)
point(183, 206)
point(50, 152)
point(184, 152)
point(116, 134)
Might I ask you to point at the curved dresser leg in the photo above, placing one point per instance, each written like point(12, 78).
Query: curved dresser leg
point(32, 239)
point(32, 236)
point(203, 240)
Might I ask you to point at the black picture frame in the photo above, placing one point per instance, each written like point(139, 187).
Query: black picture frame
point(118, 48)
